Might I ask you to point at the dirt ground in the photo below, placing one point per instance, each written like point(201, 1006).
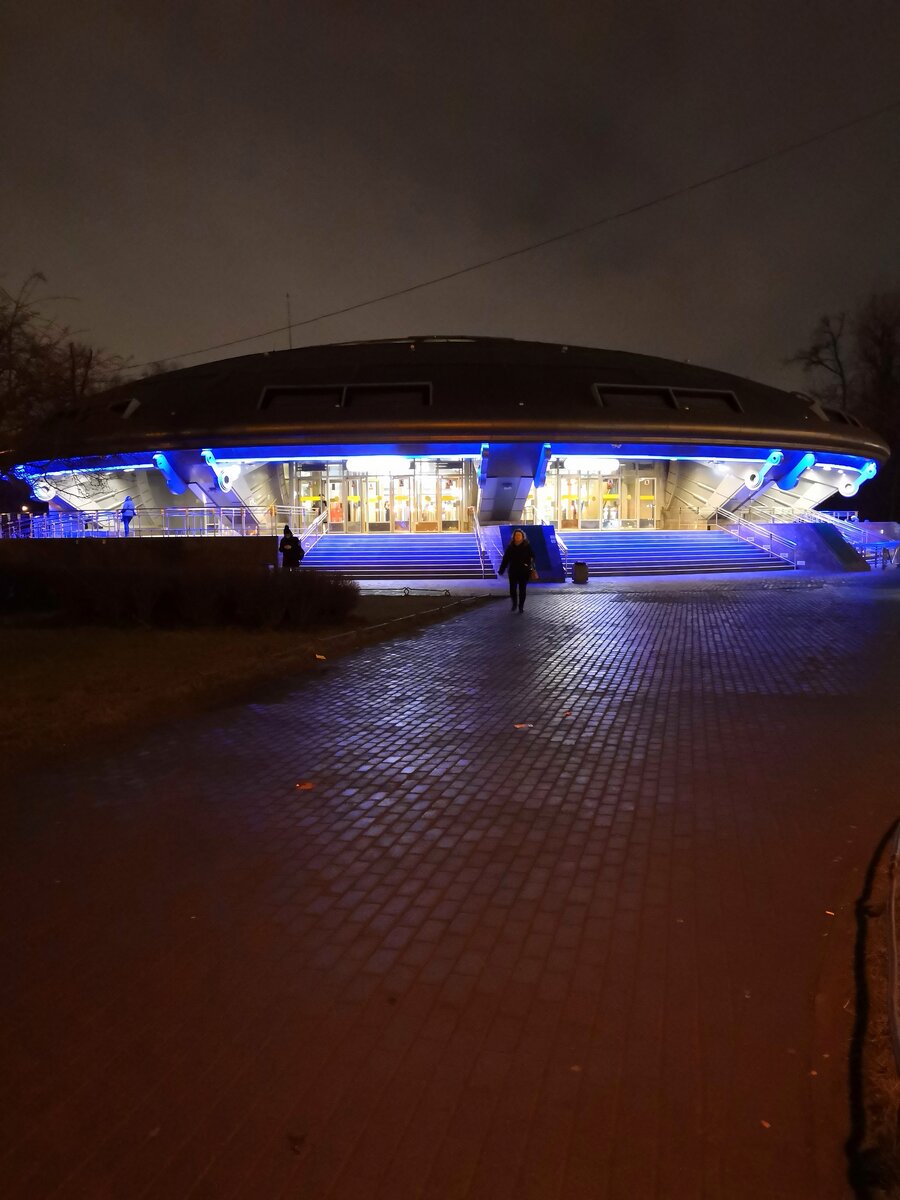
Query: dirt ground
point(66, 686)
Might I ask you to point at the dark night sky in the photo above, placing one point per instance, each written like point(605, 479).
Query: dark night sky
point(179, 167)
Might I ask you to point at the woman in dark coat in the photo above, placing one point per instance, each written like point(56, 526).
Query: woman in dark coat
point(290, 550)
point(519, 558)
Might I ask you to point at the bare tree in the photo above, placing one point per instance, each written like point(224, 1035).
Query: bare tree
point(828, 352)
point(854, 361)
point(877, 362)
point(44, 366)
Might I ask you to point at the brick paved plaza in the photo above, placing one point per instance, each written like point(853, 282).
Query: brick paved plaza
point(550, 921)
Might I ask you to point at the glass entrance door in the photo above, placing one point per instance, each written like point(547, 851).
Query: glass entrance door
point(336, 506)
point(451, 488)
point(646, 502)
point(589, 492)
point(638, 503)
point(427, 498)
point(310, 495)
point(611, 512)
point(568, 501)
point(401, 495)
point(353, 503)
point(378, 503)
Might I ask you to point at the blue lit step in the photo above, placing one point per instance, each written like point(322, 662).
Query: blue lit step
point(674, 562)
point(400, 574)
point(688, 569)
point(398, 556)
point(667, 552)
point(396, 560)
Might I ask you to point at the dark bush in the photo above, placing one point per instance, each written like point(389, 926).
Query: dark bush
point(177, 598)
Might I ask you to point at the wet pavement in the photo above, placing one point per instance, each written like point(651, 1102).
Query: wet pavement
point(518, 907)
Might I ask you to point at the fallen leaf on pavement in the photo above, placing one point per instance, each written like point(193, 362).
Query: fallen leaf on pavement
point(305, 786)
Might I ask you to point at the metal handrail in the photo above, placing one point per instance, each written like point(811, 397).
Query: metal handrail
point(875, 548)
point(316, 529)
point(747, 531)
point(480, 543)
point(848, 530)
point(756, 531)
point(564, 552)
point(872, 546)
point(196, 521)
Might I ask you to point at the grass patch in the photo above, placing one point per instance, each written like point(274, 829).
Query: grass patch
point(78, 687)
point(176, 596)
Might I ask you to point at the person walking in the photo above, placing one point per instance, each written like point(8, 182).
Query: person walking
point(290, 550)
point(518, 558)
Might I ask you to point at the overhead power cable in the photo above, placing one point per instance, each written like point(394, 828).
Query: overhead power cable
point(619, 215)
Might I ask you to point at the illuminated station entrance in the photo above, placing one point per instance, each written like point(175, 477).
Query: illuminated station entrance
point(596, 493)
point(387, 494)
point(393, 494)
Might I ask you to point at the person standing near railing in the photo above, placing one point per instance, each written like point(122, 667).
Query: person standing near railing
point(128, 511)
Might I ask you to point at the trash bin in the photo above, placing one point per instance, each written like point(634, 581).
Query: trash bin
point(579, 572)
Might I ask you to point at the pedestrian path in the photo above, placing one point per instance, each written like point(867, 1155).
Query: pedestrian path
point(519, 908)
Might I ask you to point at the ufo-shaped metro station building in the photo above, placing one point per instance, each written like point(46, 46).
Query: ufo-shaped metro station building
point(444, 435)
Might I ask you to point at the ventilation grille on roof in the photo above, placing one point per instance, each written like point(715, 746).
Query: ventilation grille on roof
point(390, 394)
point(351, 395)
point(639, 400)
point(300, 398)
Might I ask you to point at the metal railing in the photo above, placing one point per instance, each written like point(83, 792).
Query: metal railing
point(314, 532)
point(483, 557)
point(691, 524)
point(756, 535)
point(207, 521)
point(563, 553)
point(870, 544)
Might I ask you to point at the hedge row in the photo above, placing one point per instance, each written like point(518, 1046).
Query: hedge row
point(179, 598)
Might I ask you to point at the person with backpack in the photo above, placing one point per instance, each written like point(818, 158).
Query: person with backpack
point(518, 558)
point(290, 550)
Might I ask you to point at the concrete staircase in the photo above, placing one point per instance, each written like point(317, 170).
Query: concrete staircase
point(666, 552)
point(399, 556)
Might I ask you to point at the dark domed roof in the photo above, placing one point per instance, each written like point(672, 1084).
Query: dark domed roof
point(452, 388)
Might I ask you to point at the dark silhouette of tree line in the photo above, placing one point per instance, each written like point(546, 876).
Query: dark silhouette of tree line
point(45, 366)
point(853, 363)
